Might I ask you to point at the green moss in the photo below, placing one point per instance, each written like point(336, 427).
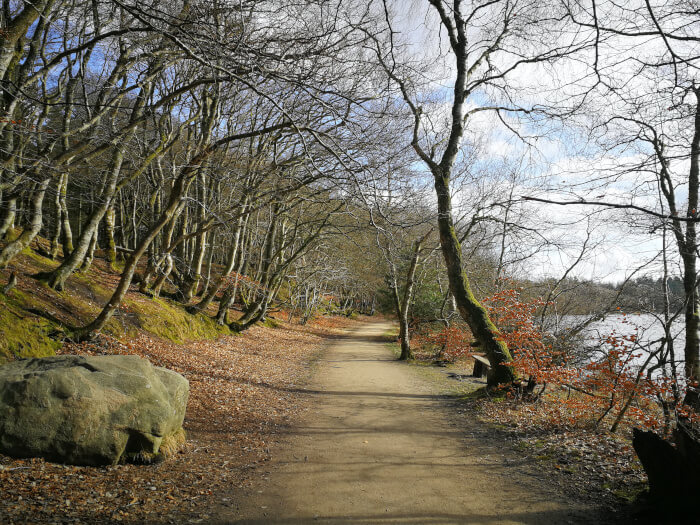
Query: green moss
point(392, 334)
point(630, 493)
point(118, 265)
point(118, 327)
point(395, 348)
point(44, 261)
point(172, 444)
point(172, 322)
point(12, 234)
point(18, 298)
point(270, 323)
point(539, 444)
point(169, 446)
point(22, 334)
point(479, 393)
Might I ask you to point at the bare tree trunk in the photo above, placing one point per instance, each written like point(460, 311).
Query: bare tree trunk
point(62, 232)
point(67, 232)
point(229, 296)
point(200, 245)
point(8, 218)
point(90, 255)
point(167, 260)
point(31, 230)
point(226, 302)
point(406, 352)
point(231, 262)
point(111, 246)
point(264, 273)
point(165, 273)
point(259, 310)
point(689, 249)
point(207, 265)
point(58, 225)
point(178, 191)
point(56, 278)
point(192, 284)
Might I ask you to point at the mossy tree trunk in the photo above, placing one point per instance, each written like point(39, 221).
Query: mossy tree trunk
point(225, 303)
point(178, 191)
point(56, 278)
point(476, 316)
point(164, 274)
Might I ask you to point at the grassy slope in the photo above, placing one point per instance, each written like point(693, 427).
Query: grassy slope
point(34, 319)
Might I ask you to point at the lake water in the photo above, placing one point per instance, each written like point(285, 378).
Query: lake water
point(647, 328)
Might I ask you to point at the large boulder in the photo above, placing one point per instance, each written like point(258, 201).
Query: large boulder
point(89, 410)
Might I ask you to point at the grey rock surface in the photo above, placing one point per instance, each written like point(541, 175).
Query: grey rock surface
point(88, 410)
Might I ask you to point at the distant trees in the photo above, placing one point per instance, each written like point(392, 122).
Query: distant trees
point(404, 233)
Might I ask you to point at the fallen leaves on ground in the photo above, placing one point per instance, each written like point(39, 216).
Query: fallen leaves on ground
point(244, 390)
point(593, 465)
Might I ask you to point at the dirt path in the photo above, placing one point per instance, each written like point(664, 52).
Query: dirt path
point(378, 447)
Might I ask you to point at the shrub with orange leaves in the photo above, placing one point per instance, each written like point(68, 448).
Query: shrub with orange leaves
point(448, 343)
point(611, 386)
point(533, 357)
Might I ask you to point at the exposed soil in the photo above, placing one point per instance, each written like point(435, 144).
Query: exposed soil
point(381, 445)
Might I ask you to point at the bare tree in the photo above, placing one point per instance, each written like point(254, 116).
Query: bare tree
point(485, 42)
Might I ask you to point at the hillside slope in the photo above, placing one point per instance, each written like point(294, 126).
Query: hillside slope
point(34, 319)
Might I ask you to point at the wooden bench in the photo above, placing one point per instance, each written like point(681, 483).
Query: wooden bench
point(481, 365)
